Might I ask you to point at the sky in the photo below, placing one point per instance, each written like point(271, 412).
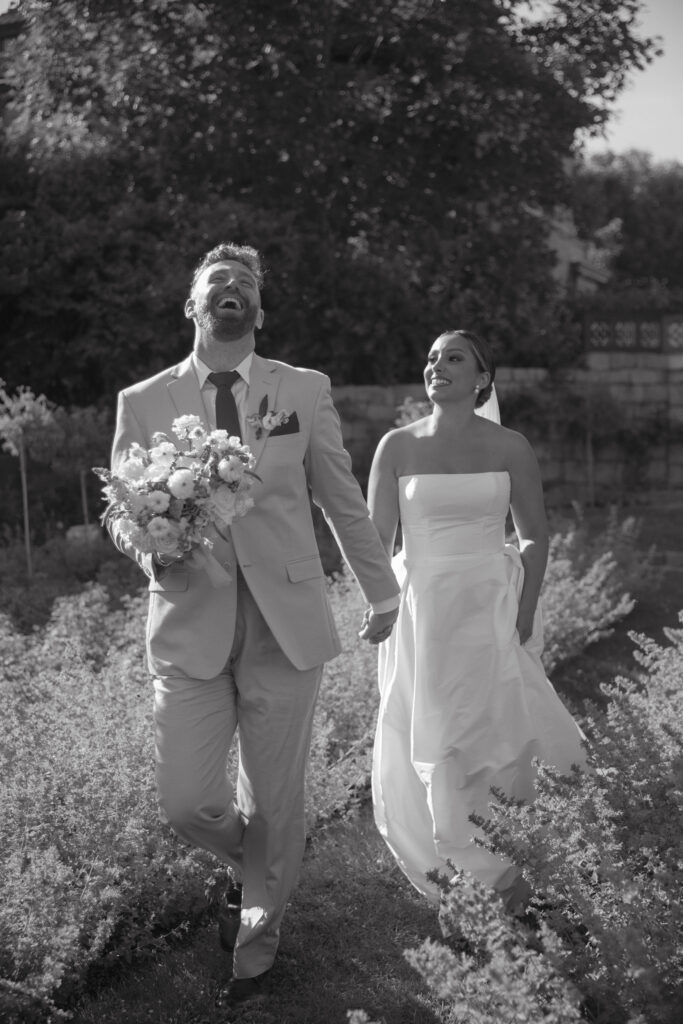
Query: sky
point(649, 113)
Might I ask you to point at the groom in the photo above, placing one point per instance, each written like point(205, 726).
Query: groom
point(249, 655)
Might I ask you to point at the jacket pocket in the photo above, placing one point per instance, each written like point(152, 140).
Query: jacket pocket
point(308, 568)
point(170, 581)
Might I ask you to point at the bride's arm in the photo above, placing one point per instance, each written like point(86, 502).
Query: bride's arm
point(383, 491)
point(531, 526)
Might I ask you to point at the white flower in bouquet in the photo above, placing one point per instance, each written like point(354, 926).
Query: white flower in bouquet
point(132, 469)
point(139, 503)
point(230, 469)
point(181, 483)
point(163, 450)
point(160, 527)
point(165, 534)
point(157, 501)
point(133, 534)
point(162, 461)
point(165, 498)
point(224, 503)
point(244, 503)
point(182, 426)
point(222, 441)
point(190, 428)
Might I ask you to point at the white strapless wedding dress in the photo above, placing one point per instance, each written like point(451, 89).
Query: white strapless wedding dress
point(463, 705)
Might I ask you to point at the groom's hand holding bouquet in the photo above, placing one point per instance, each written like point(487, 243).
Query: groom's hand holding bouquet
point(166, 498)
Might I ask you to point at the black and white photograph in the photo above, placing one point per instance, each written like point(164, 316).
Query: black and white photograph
point(341, 512)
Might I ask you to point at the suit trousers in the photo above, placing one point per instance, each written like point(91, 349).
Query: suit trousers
point(258, 828)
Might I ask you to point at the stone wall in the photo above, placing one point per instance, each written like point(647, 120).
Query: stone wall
point(649, 383)
point(367, 412)
point(644, 389)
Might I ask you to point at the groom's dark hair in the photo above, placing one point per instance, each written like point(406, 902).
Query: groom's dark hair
point(244, 254)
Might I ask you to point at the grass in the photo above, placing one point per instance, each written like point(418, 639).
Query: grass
point(349, 920)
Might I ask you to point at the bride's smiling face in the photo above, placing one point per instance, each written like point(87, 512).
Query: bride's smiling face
point(452, 371)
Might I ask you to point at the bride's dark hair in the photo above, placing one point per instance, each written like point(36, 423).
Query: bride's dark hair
point(483, 353)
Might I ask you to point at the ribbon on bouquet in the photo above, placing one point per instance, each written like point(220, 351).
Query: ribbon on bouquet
point(202, 558)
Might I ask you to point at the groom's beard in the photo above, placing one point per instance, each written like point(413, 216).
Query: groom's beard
point(230, 328)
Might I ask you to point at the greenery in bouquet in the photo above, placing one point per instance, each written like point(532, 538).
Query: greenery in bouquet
point(165, 498)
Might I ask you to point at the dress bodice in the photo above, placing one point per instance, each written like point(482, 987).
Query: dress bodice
point(453, 514)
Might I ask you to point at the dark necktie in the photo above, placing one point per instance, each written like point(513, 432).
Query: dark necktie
point(226, 408)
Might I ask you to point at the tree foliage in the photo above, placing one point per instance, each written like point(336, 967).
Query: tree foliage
point(645, 198)
point(388, 158)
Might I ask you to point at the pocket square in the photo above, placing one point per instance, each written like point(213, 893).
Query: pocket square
point(290, 427)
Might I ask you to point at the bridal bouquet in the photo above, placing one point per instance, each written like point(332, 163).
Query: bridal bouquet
point(164, 498)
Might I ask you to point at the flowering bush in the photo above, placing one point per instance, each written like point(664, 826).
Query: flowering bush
point(164, 499)
point(579, 607)
point(587, 583)
point(410, 410)
point(603, 854)
point(26, 427)
point(488, 972)
point(87, 873)
point(345, 715)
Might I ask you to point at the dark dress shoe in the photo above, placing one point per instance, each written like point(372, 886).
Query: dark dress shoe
point(244, 990)
point(229, 918)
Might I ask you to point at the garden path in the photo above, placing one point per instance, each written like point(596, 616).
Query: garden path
point(349, 921)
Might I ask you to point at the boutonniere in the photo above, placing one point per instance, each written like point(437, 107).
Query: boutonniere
point(264, 420)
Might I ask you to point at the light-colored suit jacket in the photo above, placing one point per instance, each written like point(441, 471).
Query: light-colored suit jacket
point(191, 623)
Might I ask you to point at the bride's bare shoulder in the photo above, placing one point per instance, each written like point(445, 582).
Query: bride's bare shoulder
point(515, 447)
point(398, 442)
point(500, 434)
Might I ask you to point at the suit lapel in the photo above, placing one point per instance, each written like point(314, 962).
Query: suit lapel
point(184, 391)
point(264, 381)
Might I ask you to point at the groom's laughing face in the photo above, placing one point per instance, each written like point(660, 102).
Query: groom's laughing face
point(226, 301)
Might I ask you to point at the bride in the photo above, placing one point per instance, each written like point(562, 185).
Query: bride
point(465, 703)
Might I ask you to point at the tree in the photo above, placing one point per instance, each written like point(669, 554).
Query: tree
point(646, 197)
point(25, 428)
point(83, 442)
point(385, 157)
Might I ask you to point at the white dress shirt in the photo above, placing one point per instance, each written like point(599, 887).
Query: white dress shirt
point(240, 389)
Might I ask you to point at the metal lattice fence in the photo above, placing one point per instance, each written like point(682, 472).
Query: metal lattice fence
point(635, 334)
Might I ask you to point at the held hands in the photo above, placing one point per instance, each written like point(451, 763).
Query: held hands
point(377, 627)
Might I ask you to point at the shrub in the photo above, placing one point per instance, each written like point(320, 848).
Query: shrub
point(60, 567)
point(88, 874)
point(587, 583)
point(341, 751)
point(411, 409)
point(603, 853)
point(491, 975)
